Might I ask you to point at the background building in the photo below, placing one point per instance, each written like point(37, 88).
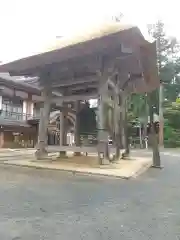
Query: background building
point(16, 107)
point(20, 103)
point(20, 112)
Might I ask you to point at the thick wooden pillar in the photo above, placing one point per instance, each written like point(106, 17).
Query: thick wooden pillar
point(43, 124)
point(117, 125)
point(161, 117)
point(153, 137)
point(124, 136)
point(125, 129)
point(62, 116)
point(76, 127)
point(62, 130)
point(103, 151)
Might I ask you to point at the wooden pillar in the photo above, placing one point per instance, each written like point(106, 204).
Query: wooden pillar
point(25, 106)
point(1, 139)
point(117, 125)
point(161, 117)
point(121, 130)
point(125, 130)
point(62, 131)
point(62, 116)
point(124, 127)
point(153, 137)
point(43, 124)
point(76, 127)
point(103, 151)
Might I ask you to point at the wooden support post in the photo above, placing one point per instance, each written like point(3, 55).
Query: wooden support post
point(161, 117)
point(62, 131)
point(76, 127)
point(43, 124)
point(153, 138)
point(125, 128)
point(121, 130)
point(103, 150)
point(117, 125)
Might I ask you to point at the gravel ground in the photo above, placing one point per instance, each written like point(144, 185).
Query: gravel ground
point(40, 204)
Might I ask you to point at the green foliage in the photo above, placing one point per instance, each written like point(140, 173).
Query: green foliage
point(137, 107)
point(169, 69)
point(168, 62)
point(172, 126)
point(167, 59)
point(172, 115)
point(170, 75)
point(167, 47)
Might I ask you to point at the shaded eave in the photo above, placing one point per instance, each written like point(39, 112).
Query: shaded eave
point(19, 86)
point(99, 45)
point(8, 122)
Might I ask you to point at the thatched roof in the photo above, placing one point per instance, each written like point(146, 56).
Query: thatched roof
point(89, 34)
point(69, 55)
point(102, 39)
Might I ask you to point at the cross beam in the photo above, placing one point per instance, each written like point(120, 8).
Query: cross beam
point(59, 100)
point(71, 82)
point(71, 98)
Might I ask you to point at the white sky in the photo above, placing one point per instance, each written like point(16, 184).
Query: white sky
point(29, 25)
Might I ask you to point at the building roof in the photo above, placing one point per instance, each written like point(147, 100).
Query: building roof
point(99, 40)
point(72, 64)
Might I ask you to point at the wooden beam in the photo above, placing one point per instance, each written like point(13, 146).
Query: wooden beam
point(71, 82)
point(59, 100)
point(84, 86)
point(90, 77)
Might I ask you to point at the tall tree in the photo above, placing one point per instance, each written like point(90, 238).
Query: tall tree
point(167, 49)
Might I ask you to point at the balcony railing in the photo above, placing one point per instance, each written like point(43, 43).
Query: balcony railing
point(16, 116)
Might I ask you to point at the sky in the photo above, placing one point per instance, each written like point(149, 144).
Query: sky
point(28, 26)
